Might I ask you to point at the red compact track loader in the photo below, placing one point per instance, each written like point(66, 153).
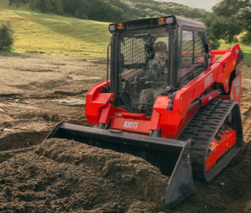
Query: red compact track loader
point(168, 100)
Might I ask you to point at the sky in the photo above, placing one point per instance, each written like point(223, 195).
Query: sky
point(204, 4)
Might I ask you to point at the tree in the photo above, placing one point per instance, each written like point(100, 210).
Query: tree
point(229, 19)
point(46, 6)
point(103, 10)
point(6, 36)
point(222, 28)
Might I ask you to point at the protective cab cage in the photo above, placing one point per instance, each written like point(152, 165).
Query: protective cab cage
point(184, 60)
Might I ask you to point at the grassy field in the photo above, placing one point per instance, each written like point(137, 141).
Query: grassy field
point(56, 35)
point(36, 32)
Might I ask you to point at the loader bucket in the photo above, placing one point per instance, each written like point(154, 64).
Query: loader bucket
point(170, 156)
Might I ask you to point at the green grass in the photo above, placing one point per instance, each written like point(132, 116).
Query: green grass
point(60, 35)
point(53, 34)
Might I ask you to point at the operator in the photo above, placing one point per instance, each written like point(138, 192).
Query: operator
point(158, 73)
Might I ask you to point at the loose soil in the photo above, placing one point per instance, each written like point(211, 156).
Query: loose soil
point(59, 175)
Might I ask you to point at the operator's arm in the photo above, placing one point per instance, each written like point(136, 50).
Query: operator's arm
point(154, 72)
point(145, 76)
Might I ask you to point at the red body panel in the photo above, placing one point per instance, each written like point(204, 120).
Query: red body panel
point(219, 148)
point(155, 122)
point(107, 113)
point(208, 97)
point(95, 100)
point(235, 93)
point(171, 123)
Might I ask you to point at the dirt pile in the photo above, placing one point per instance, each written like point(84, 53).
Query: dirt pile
point(66, 176)
point(22, 142)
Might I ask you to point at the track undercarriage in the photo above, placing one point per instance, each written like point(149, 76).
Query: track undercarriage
point(216, 138)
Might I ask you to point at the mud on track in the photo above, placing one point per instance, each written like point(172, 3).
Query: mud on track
point(64, 176)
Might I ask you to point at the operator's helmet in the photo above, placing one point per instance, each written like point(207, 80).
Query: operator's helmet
point(160, 45)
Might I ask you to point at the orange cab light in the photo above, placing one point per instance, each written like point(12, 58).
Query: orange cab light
point(161, 20)
point(121, 26)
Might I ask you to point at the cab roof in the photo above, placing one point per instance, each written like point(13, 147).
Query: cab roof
point(154, 22)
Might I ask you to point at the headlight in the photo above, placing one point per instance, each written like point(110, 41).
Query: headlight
point(112, 27)
point(169, 20)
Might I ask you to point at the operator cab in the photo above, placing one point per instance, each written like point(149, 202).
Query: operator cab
point(143, 66)
point(149, 55)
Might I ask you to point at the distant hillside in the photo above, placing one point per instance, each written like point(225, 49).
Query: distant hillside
point(52, 34)
point(151, 8)
point(66, 35)
point(112, 10)
point(202, 4)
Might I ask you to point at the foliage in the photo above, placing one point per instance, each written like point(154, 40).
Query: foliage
point(52, 34)
point(113, 10)
point(222, 28)
point(6, 36)
point(229, 19)
point(157, 9)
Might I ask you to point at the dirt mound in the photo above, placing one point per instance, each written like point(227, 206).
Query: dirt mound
point(21, 140)
point(66, 176)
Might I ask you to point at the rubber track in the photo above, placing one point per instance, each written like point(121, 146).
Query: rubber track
point(203, 128)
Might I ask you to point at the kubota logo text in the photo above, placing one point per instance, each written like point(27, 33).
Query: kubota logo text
point(208, 80)
point(131, 125)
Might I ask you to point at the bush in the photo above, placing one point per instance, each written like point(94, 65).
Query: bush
point(6, 36)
